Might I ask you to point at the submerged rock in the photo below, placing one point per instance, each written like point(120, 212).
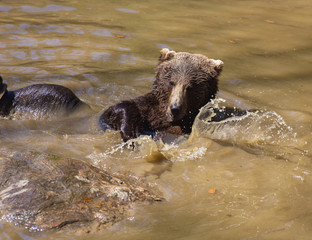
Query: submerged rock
point(44, 192)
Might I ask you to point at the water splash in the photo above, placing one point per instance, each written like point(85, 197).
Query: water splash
point(259, 132)
point(143, 147)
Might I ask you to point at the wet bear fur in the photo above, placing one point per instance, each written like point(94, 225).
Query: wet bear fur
point(38, 98)
point(184, 83)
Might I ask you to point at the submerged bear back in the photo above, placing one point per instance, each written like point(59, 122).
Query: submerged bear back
point(46, 99)
point(39, 101)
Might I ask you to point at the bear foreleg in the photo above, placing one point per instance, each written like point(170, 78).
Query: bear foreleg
point(124, 116)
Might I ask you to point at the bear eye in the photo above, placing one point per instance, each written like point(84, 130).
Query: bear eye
point(171, 84)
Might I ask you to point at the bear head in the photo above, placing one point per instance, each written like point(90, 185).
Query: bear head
point(185, 82)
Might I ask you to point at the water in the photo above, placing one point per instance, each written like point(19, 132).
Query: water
point(106, 51)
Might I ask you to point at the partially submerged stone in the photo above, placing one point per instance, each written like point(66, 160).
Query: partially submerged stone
point(44, 192)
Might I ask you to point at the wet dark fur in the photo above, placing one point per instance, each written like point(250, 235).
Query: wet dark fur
point(47, 98)
point(197, 75)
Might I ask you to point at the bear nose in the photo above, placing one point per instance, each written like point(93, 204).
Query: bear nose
point(175, 109)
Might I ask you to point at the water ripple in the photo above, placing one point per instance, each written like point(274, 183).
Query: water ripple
point(48, 8)
point(102, 32)
point(126, 10)
point(5, 8)
point(21, 29)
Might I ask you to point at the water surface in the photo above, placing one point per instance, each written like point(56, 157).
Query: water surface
point(106, 51)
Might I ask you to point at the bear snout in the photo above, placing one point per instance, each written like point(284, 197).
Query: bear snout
point(177, 103)
point(175, 110)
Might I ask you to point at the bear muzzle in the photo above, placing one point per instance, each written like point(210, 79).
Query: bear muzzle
point(176, 111)
point(177, 104)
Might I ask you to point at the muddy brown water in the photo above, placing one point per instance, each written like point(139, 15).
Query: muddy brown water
point(247, 178)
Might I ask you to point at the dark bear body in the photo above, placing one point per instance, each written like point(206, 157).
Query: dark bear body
point(43, 99)
point(184, 83)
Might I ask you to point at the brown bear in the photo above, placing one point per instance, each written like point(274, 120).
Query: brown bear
point(184, 83)
point(43, 99)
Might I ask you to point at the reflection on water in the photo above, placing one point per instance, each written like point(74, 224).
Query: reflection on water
point(106, 51)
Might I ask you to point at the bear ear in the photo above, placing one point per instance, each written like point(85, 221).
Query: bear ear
point(218, 65)
point(166, 54)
